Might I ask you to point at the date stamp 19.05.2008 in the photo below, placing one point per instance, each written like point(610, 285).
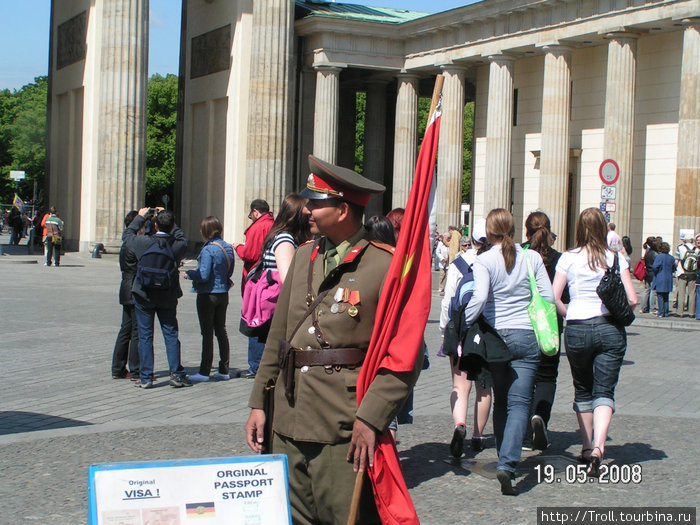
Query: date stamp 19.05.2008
point(609, 474)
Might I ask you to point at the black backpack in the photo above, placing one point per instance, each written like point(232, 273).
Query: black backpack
point(157, 267)
point(455, 329)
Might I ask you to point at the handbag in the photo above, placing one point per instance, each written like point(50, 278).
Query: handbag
point(260, 293)
point(612, 293)
point(56, 240)
point(543, 316)
point(640, 270)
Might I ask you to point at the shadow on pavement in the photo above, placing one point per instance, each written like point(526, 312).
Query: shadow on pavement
point(13, 422)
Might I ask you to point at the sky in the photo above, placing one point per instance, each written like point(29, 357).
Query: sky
point(24, 35)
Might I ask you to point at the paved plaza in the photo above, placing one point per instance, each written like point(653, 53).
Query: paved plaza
point(60, 411)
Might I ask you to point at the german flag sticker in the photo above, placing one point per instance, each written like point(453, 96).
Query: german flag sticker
point(200, 510)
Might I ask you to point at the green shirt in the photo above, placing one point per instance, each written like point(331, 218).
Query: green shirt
point(334, 255)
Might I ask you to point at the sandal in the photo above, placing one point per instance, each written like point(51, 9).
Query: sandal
point(583, 457)
point(593, 467)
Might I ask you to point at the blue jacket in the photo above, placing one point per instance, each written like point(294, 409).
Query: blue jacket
point(214, 270)
point(663, 272)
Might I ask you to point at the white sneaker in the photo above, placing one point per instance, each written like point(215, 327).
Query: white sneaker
point(199, 378)
point(221, 377)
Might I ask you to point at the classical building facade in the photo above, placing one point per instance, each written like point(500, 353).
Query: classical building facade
point(559, 86)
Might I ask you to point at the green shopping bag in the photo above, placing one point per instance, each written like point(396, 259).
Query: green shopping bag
point(543, 316)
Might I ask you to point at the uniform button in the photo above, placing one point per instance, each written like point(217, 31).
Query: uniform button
point(304, 369)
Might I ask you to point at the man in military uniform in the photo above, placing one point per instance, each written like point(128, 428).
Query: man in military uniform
point(317, 423)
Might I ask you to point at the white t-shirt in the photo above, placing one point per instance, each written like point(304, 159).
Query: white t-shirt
point(582, 281)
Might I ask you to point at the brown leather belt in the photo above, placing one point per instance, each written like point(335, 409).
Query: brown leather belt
point(328, 357)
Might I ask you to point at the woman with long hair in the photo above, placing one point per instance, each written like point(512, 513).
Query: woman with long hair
point(651, 250)
point(538, 231)
point(502, 294)
point(595, 343)
point(211, 281)
point(290, 229)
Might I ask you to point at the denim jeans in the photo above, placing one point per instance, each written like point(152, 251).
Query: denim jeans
point(697, 301)
point(512, 392)
point(663, 300)
point(255, 352)
point(595, 354)
point(52, 250)
point(211, 310)
point(145, 316)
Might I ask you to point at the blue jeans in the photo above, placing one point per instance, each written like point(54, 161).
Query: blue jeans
point(697, 301)
point(145, 316)
point(255, 352)
point(663, 300)
point(595, 354)
point(512, 392)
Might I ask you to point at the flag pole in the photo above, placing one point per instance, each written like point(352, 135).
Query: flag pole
point(357, 490)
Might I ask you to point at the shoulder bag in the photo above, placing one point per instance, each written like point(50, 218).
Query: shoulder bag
point(543, 316)
point(640, 270)
point(612, 293)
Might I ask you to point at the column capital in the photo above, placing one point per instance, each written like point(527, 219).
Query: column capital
point(408, 76)
point(621, 33)
point(500, 58)
point(328, 68)
point(555, 48)
point(690, 22)
point(454, 69)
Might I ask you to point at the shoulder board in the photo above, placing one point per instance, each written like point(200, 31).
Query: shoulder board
point(305, 243)
point(383, 246)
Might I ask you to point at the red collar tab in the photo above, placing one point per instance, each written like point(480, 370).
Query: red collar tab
point(314, 252)
point(353, 253)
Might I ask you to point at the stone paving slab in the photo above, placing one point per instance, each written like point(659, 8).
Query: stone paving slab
point(60, 411)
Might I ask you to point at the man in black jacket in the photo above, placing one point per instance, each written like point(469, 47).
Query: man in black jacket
point(151, 301)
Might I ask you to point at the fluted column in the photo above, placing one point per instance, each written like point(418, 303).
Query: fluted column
point(405, 138)
point(269, 147)
point(554, 157)
point(375, 141)
point(121, 163)
point(619, 120)
point(499, 130)
point(347, 117)
point(450, 143)
point(687, 205)
point(326, 113)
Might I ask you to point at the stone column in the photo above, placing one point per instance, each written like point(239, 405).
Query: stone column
point(375, 141)
point(121, 163)
point(499, 130)
point(347, 113)
point(619, 120)
point(405, 138)
point(326, 113)
point(269, 147)
point(450, 144)
point(554, 157)
point(687, 206)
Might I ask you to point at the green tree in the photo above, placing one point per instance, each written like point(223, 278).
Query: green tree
point(360, 111)
point(23, 137)
point(160, 138)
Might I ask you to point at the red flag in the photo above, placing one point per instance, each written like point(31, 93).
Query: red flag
point(402, 313)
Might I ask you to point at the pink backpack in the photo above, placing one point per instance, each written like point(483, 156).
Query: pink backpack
point(262, 288)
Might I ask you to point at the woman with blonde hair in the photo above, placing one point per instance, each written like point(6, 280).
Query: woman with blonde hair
point(595, 343)
point(502, 294)
point(211, 281)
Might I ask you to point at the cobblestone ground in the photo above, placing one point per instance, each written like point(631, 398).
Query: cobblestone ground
point(60, 411)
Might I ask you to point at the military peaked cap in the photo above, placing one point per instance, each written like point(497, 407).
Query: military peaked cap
point(328, 181)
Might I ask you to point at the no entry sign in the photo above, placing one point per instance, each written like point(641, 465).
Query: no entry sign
point(609, 171)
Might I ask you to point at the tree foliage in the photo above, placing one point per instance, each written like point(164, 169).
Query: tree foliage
point(160, 138)
point(23, 138)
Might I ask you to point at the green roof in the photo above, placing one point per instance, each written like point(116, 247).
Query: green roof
point(383, 15)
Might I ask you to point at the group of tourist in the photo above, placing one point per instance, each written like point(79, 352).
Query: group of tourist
point(671, 279)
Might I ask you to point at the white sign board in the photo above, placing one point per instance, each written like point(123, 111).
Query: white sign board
point(250, 490)
point(608, 193)
point(17, 175)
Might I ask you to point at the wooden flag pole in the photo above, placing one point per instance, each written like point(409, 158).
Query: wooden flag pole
point(357, 490)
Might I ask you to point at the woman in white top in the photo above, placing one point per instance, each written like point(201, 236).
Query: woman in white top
point(595, 344)
point(502, 294)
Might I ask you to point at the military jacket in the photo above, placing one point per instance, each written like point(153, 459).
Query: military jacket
point(324, 405)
